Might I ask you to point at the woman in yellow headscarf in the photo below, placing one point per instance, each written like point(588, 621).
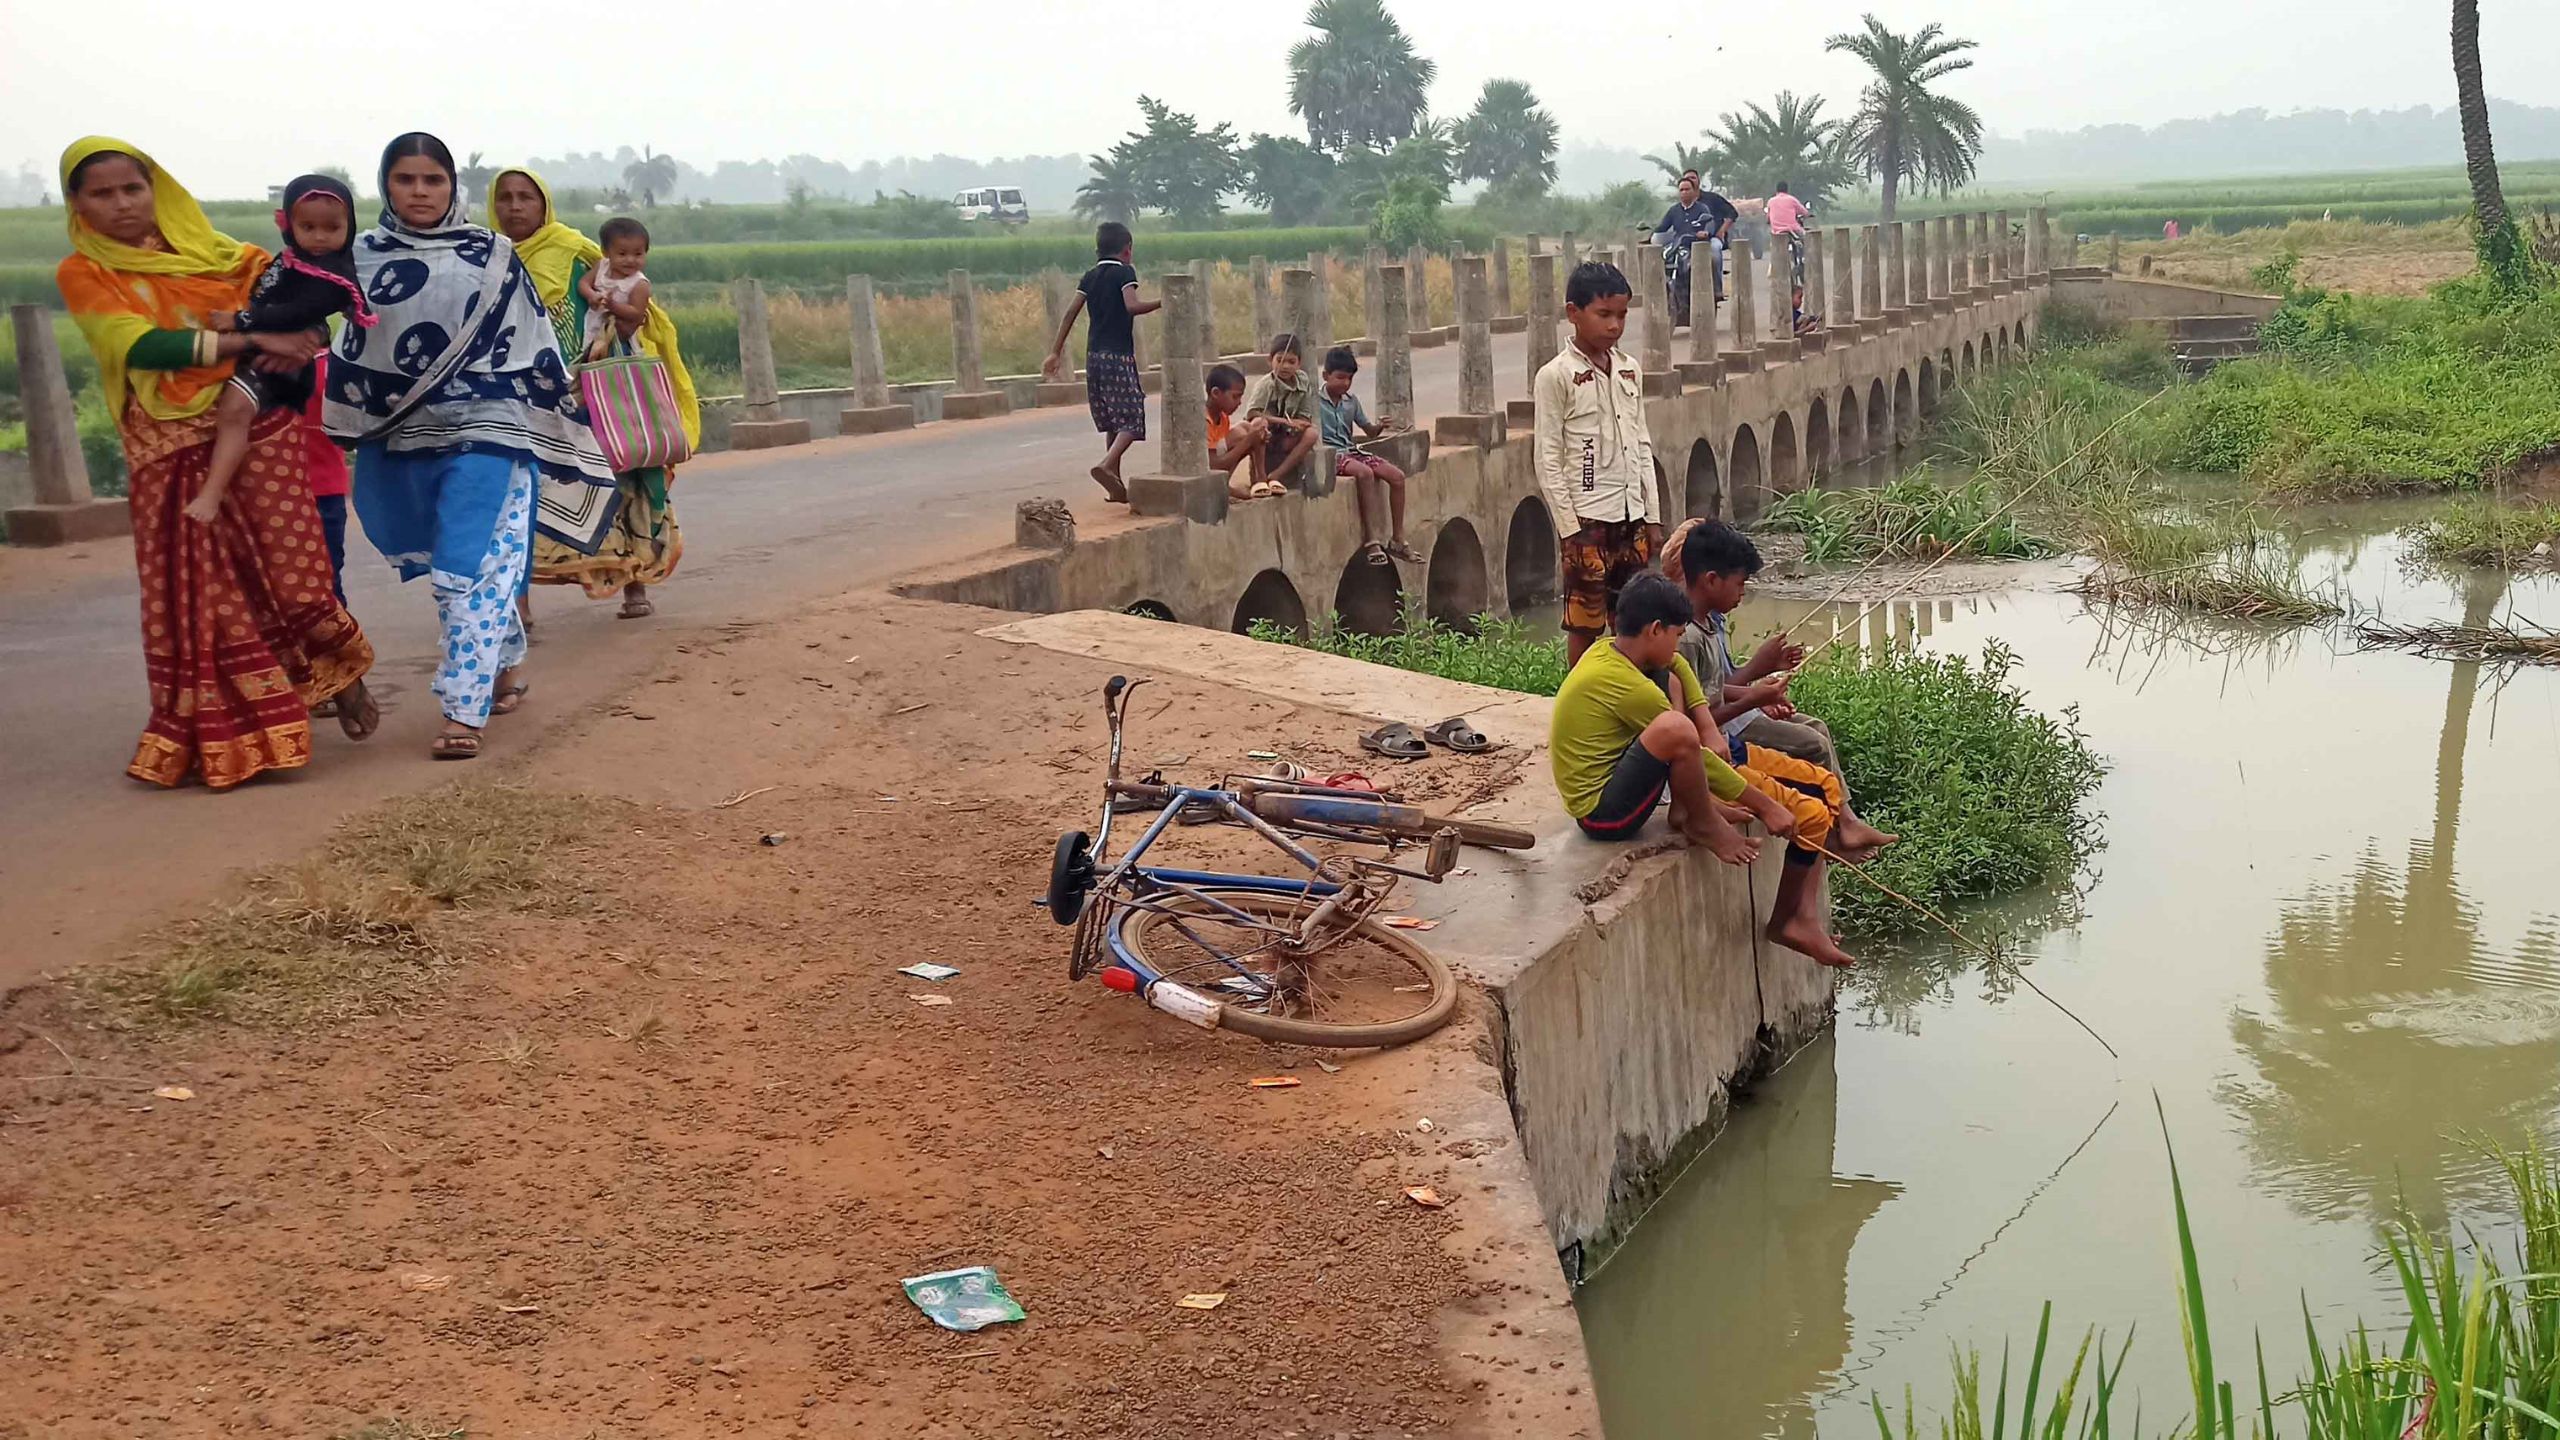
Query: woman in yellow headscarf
point(643, 544)
point(242, 628)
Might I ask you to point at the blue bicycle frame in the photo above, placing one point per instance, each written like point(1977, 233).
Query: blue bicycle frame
point(1188, 884)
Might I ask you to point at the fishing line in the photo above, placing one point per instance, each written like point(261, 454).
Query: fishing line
point(1989, 955)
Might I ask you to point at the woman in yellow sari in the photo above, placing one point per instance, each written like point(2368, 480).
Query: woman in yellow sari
point(242, 628)
point(641, 547)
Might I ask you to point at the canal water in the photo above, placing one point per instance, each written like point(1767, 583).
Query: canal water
point(2324, 934)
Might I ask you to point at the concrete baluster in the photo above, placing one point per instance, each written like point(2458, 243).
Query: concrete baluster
point(1395, 346)
point(969, 398)
point(2002, 270)
point(1568, 258)
point(1655, 287)
point(65, 510)
point(1817, 254)
point(1417, 289)
point(1871, 273)
point(1702, 366)
point(1318, 336)
point(1265, 305)
point(2039, 242)
point(1501, 279)
point(1842, 260)
point(1897, 272)
point(1184, 484)
point(1780, 343)
point(1204, 288)
point(1373, 299)
point(763, 426)
point(1982, 276)
point(1546, 309)
point(1741, 301)
point(1959, 260)
point(1478, 425)
point(872, 411)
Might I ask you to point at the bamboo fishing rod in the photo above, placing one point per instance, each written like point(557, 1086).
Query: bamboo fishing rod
point(1964, 941)
point(1951, 551)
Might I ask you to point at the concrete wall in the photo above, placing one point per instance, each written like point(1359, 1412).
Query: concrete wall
point(1723, 450)
point(2127, 300)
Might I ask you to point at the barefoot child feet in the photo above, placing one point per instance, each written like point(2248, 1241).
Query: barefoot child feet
point(313, 279)
point(1109, 293)
point(1286, 403)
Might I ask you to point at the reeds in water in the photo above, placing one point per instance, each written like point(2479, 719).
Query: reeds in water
point(2490, 644)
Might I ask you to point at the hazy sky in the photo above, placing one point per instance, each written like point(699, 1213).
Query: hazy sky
point(748, 79)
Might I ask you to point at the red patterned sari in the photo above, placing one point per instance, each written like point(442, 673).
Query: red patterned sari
point(242, 632)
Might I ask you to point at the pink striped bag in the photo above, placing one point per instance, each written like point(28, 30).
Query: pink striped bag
point(632, 407)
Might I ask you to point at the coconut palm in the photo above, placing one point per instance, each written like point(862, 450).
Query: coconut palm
point(1113, 193)
point(652, 175)
point(1904, 130)
point(1786, 141)
point(2500, 243)
point(1684, 158)
point(1508, 141)
point(1357, 81)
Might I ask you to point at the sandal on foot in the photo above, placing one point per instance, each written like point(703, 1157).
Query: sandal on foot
point(1458, 735)
point(1405, 552)
point(1268, 488)
point(455, 747)
point(1396, 741)
point(1375, 553)
point(1112, 488)
point(635, 607)
point(510, 698)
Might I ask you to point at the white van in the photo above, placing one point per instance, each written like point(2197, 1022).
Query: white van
point(1000, 203)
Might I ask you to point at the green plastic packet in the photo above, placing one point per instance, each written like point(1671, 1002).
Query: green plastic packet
point(970, 1298)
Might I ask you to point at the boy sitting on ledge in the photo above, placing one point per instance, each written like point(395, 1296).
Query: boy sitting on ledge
point(1632, 721)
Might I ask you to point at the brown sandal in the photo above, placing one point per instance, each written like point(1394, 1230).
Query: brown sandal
point(455, 747)
point(359, 714)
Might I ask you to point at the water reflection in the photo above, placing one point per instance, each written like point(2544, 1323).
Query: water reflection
point(2324, 937)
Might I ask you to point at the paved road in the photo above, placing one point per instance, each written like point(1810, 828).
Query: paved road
point(86, 855)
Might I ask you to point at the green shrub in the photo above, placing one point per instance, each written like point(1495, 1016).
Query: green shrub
point(1912, 517)
point(2478, 532)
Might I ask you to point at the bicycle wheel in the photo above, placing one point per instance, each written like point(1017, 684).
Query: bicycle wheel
point(1372, 988)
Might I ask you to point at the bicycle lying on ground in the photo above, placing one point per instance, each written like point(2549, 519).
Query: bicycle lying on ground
point(1302, 960)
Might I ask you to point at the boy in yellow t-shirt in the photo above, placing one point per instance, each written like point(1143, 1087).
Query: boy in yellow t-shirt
point(1617, 741)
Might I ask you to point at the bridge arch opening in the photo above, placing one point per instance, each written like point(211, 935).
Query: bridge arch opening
point(1853, 427)
point(1529, 557)
point(2022, 335)
point(1965, 363)
point(1456, 589)
point(1879, 419)
point(1786, 461)
point(1705, 491)
point(1746, 477)
point(1368, 596)
point(1270, 596)
point(1906, 417)
point(1663, 494)
point(1928, 386)
point(1817, 440)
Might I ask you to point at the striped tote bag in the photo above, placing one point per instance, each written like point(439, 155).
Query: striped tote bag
point(632, 407)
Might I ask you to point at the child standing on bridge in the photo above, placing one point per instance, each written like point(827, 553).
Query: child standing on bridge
point(1594, 456)
point(1112, 388)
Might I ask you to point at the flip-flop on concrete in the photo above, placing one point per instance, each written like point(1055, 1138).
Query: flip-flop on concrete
point(1456, 733)
point(1396, 741)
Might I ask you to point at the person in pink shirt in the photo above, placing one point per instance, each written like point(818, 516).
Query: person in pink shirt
point(1787, 213)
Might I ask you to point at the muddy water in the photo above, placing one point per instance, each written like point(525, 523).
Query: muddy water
point(2324, 932)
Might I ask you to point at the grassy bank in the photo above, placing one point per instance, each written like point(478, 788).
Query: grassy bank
point(2481, 532)
point(1990, 795)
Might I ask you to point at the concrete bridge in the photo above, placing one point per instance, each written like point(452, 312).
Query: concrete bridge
point(1744, 420)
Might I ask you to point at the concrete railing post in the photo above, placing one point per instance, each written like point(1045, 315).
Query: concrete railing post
point(1871, 273)
point(1741, 301)
point(1203, 288)
point(1937, 270)
point(2039, 242)
point(1395, 346)
point(65, 509)
point(1417, 283)
point(1318, 337)
point(1184, 484)
point(763, 427)
point(1959, 259)
point(1479, 423)
point(1373, 298)
point(1897, 271)
point(1655, 288)
point(1298, 307)
point(872, 411)
point(2115, 253)
point(1781, 343)
point(1842, 261)
point(1502, 278)
point(2002, 271)
point(1265, 311)
point(969, 398)
point(1982, 276)
point(1702, 364)
point(1546, 309)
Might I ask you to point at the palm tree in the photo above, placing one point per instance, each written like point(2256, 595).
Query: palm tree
point(2500, 244)
point(1789, 141)
point(1357, 81)
point(1684, 158)
point(1113, 193)
point(652, 175)
point(476, 175)
point(1508, 140)
point(1904, 130)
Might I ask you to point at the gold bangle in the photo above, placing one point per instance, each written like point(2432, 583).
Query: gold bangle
point(208, 347)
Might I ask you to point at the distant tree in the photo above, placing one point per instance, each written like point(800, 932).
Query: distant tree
point(475, 177)
point(1683, 159)
point(1408, 214)
point(337, 173)
point(1112, 193)
point(798, 194)
point(652, 175)
point(1903, 130)
point(1630, 203)
point(2501, 245)
point(1508, 141)
point(1182, 169)
point(1288, 177)
point(1357, 82)
point(1424, 162)
point(1757, 148)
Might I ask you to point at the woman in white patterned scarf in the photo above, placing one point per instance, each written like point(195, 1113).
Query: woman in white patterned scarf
point(459, 405)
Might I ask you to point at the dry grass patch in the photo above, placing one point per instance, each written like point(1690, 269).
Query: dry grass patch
point(360, 927)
